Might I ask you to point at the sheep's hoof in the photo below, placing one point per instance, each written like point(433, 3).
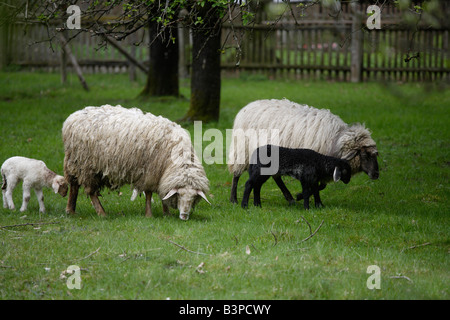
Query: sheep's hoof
point(299, 196)
point(291, 202)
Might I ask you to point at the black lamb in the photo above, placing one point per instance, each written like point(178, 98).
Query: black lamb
point(305, 165)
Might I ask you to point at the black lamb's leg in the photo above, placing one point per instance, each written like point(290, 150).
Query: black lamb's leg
point(247, 190)
point(306, 190)
point(299, 196)
point(317, 202)
point(233, 197)
point(287, 195)
point(259, 181)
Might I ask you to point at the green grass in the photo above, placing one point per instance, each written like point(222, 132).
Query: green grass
point(399, 222)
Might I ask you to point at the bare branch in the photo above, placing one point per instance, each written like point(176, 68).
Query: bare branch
point(89, 255)
point(311, 234)
point(401, 277)
point(28, 224)
point(417, 246)
point(184, 248)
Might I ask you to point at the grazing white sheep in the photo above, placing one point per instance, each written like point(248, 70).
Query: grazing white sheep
point(35, 175)
point(300, 126)
point(111, 146)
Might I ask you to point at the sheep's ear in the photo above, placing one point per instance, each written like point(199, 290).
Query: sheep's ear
point(336, 174)
point(55, 186)
point(170, 193)
point(350, 155)
point(201, 194)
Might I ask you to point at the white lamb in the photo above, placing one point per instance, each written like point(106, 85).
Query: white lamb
point(34, 174)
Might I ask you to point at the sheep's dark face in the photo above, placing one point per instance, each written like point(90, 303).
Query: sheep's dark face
point(346, 173)
point(369, 162)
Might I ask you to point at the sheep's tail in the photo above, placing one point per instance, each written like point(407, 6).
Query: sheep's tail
point(134, 195)
point(4, 184)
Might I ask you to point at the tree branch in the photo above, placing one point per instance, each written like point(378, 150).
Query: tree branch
point(311, 234)
point(28, 224)
point(184, 248)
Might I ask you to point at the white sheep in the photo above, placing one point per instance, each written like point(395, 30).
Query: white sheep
point(35, 175)
point(299, 126)
point(111, 146)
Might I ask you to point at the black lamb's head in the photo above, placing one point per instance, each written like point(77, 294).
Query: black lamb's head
point(342, 171)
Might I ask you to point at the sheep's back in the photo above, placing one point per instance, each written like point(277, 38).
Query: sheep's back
point(113, 146)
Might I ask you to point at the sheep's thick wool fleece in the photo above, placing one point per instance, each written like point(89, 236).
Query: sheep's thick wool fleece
point(112, 146)
point(299, 126)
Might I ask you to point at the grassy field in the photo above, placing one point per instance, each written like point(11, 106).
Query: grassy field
point(399, 223)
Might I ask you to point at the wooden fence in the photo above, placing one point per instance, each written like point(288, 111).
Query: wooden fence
point(314, 47)
point(324, 52)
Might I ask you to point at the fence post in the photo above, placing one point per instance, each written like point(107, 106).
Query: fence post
point(5, 52)
point(131, 67)
point(356, 66)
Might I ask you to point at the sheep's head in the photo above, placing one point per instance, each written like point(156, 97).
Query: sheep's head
point(59, 185)
point(343, 172)
point(357, 146)
point(369, 162)
point(184, 199)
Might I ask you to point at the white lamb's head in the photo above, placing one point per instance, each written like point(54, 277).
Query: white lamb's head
point(184, 199)
point(59, 185)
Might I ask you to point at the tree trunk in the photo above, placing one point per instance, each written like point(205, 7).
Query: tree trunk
point(162, 77)
point(205, 74)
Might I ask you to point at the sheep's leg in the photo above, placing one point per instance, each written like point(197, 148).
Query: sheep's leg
point(73, 195)
point(5, 203)
point(233, 197)
point(317, 202)
point(97, 205)
point(166, 209)
point(247, 191)
point(287, 195)
point(148, 204)
point(257, 194)
point(4, 184)
point(306, 200)
point(9, 191)
point(26, 196)
point(40, 197)
point(257, 184)
point(306, 194)
point(299, 196)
